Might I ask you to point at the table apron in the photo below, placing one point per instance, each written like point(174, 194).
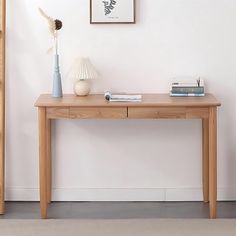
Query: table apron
point(127, 112)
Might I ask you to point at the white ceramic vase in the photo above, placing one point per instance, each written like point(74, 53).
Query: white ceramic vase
point(82, 87)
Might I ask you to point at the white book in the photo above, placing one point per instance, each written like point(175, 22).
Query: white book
point(122, 97)
point(189, 83)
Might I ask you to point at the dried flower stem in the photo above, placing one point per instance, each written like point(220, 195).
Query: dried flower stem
point(56, 43)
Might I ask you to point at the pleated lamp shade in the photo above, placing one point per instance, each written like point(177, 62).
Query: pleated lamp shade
point(83, 69)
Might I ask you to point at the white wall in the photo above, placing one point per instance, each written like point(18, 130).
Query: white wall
point(121, 160)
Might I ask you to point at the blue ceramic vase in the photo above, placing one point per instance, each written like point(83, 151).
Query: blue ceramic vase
point(57, 87)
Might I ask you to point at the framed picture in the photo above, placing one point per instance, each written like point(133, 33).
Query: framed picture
point(112, 11)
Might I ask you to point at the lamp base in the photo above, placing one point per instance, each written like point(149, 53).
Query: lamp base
point(82, 87)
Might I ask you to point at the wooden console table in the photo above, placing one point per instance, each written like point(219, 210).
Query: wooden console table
point(153, 106)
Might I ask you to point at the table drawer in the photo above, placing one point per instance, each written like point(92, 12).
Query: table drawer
point(98, 112)
point(167, 112)
point(156, 112)
point(57, 113)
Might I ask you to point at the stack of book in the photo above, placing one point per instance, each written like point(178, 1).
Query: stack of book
point(188, 89)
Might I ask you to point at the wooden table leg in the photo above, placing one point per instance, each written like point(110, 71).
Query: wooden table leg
point(212, 161)
point(205, 159)
point(49, 161)
point(43, 161)
point(2, 171)
point(2, 103)
point(2, 161)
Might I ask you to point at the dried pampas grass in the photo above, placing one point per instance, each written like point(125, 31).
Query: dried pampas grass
point(51, 22)
point(53, 25)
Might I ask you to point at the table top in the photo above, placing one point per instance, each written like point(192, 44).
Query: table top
point(148, 100)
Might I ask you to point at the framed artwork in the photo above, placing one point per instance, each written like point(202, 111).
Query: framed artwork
point(112, 11)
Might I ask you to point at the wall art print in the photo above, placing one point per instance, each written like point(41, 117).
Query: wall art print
point(112, 11)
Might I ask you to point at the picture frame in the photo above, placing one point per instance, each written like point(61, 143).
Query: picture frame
point(112, 11)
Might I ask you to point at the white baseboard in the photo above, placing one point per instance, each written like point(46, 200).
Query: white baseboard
point(118, 194)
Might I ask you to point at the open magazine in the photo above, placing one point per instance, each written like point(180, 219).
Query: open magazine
point(122, 97)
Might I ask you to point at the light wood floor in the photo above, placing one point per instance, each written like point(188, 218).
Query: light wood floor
point(118, 210)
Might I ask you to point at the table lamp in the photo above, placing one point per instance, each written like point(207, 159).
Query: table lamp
point(83, 71)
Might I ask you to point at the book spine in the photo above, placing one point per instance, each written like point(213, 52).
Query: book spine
point(187, 94)
point(187, 89)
